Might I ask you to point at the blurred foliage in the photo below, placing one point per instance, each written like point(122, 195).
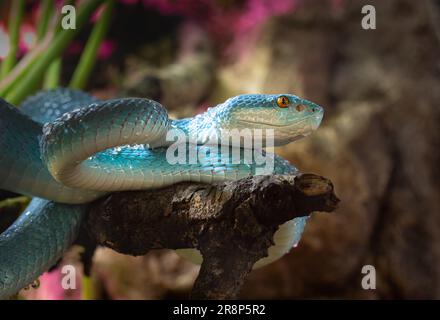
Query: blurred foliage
point(43, 60)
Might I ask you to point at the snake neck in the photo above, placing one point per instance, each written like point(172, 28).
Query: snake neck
point(204, 127)
point(69, 144)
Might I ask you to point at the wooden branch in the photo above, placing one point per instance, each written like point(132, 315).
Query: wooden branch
point(231, 223)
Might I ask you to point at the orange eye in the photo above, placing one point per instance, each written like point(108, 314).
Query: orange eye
point(300, 107)
point(283, 102)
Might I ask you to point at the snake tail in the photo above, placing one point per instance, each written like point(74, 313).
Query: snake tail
point(36, 241)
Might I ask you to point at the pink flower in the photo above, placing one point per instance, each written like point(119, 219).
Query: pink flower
point(106, 49)
point(75, 47)
point(233, 27)
point(97, 14)
point(28, 37)
point(50, 288)
point(129, 2)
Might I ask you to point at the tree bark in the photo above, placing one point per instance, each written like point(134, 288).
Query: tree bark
point(231, 223)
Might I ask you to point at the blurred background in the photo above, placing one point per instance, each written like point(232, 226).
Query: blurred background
point(379, 140)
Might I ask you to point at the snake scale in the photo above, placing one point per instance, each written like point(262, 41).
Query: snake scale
point(65, 148)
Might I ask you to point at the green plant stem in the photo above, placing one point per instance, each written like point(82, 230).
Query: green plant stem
point(23, 67)
point(25, 64)
point(15, 18)
point(47, 7)
point(88, 57)
point(59, 43)
point(87, 292)
point(18, 202)
point(52, 77)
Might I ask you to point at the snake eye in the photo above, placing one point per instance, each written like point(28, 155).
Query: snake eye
point(300, 107)
point(283, 102)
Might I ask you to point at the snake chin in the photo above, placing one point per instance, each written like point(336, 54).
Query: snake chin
point(285, 133)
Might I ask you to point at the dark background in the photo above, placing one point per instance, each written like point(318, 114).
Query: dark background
point(379, 140)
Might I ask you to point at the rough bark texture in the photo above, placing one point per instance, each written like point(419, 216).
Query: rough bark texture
point(232, 224)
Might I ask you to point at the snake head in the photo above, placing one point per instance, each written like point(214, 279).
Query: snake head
point(289, 116)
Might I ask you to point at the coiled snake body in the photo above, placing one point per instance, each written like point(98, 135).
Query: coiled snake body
point(65, 149)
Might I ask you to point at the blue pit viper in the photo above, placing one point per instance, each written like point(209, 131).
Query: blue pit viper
point(65, 149)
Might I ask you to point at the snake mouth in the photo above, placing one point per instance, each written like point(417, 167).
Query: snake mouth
point(254, 123)
point(286, 125)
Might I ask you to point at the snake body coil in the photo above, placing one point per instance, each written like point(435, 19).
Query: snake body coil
point(65, 149)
